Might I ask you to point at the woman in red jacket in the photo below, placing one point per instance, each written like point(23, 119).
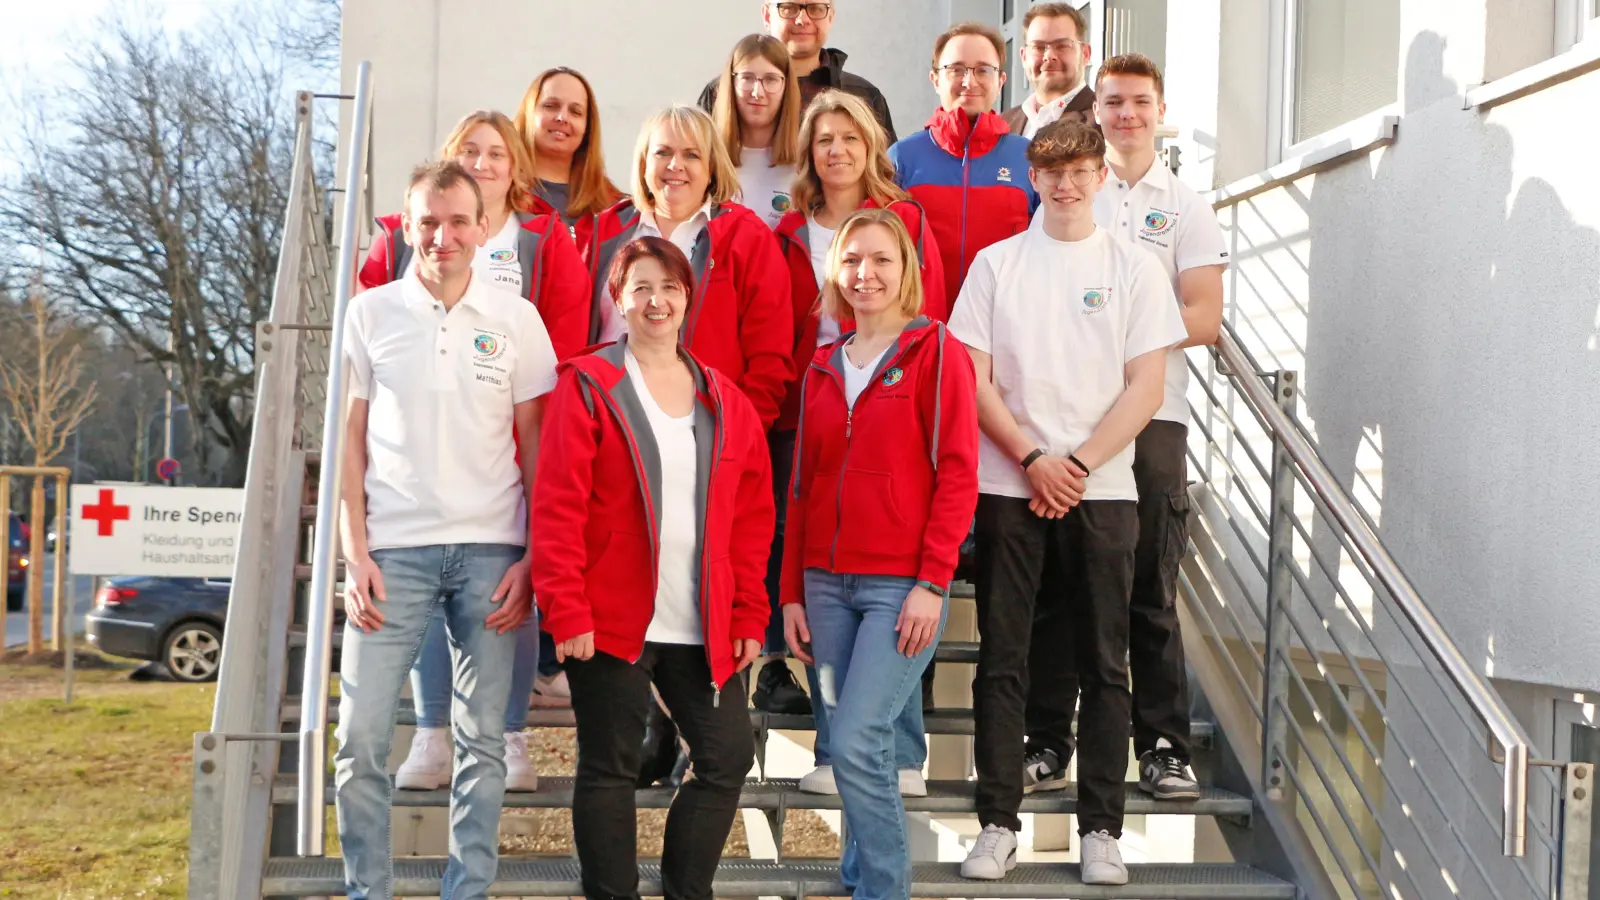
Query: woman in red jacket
point(560, 123)
point(528, 254)
point(738, 319)
point(845, 167)
point(885, 484)
point(654, 509)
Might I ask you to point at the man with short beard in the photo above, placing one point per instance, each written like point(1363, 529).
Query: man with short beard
point(1055, 51)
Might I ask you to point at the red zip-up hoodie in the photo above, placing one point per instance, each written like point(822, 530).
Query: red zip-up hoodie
point(597, 527)
point(795, 241)
point(888, 487)
point(553, 276)
point(738, 320)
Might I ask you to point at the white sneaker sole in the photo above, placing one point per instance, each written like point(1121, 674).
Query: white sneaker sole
point(1049, 784)
point(1010, 864)
point(523, 785)
point(1112, 880)
point(420, 781)
point(1183, 794)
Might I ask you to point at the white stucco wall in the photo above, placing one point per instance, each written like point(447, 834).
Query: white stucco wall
point(1441, 297)
point(435, 60)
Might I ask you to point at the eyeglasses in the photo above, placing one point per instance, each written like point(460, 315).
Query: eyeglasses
point(1062, 47)
point(1079, 177)
point(813, 11)
point(957, 72)
point(746, 82)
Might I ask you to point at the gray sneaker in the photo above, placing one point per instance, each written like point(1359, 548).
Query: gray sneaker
point(1043, 771)
point(1164, 776)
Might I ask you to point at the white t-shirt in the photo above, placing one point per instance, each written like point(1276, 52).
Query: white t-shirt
point(496, 262)
point(821, 239)
point(441, 386)
point(1166, 217)
point(613, 325)
point(677, 613)
point(856, 380)
point(763, 187)
point(1061, 320)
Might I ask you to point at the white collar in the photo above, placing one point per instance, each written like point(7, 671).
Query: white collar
point(1158, 177)
point(417, 294)
point(1032, 108)
point(701, 217)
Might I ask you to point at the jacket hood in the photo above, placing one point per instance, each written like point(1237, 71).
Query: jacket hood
point(957, 134)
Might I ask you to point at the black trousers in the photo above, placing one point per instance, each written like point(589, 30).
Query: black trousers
point(1155, 645)
point(1092, 550)
point(611, 698)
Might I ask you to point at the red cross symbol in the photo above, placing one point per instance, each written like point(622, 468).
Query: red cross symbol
point(105, 513)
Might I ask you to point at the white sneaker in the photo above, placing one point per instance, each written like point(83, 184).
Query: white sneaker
point(428, 764)
point(994, 854)
point(819, 781)
point(912, 784)
point(552, 692)
point(519, 768)
point(1102, 859)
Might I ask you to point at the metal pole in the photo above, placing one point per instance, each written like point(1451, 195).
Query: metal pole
point(1577, 821)
point(5, 537)
point(166, 441)
point(1280, 590)
point(61, 619)
point(311, 837)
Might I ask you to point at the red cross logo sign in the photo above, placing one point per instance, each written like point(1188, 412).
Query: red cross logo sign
point(106, 513)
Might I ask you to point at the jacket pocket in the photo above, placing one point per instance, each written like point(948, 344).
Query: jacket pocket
point(867, 492)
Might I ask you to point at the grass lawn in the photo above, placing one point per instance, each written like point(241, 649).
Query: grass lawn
point(96, 794)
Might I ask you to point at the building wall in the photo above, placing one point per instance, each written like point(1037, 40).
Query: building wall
point(435, 60)
point(1441, 297)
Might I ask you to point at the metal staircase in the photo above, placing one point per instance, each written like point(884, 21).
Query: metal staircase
point(1348, 748)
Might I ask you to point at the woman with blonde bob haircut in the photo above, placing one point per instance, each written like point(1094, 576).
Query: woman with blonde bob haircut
point(757, 114)
point(884, 486)
point(844, 166)
point(684, 185)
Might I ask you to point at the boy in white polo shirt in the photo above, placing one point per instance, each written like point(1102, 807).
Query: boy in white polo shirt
point(1146, 203)
point(445, 369)
point(1069, 328)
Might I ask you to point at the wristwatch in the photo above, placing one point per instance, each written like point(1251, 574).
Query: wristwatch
point(1031, 457)
point(930, 586)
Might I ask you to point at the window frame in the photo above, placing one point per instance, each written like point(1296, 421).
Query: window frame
point(1282, 62)
point(1017, 87)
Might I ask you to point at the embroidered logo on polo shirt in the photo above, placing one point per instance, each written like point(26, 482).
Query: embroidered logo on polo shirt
point(1095, 299)
point(893, 376)
point(486, 345)
point(1003, 175)
point(502, 256)
point(781, 203)
point(1157, 222)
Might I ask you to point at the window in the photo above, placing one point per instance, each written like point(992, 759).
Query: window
point(1137, 26)
point(1344, 56)
point(1519, 34)
point(1011, 82)
point(1017, 86)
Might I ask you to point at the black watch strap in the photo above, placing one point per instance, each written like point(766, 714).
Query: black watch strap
point(1031, 457)
point(1079, 463)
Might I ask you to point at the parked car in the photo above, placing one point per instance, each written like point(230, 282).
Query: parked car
point(177, 622)
point(16, 561)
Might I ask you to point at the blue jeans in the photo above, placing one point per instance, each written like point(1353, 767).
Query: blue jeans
point(865, 685)
point(460, 579)
point(431, 675)
point(910, 742)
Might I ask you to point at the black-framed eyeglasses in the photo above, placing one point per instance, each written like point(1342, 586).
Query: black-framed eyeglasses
point(958, 72)
point(813, 11)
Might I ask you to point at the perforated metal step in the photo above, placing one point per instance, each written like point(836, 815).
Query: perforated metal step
point(416, 877)
point(944, 797)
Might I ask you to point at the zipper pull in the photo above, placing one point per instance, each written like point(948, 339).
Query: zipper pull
point(849, 416)
point(716, 696)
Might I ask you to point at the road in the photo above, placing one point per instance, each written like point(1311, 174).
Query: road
point(83, 600)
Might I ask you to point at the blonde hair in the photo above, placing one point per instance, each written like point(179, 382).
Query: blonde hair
point(590, 190)
point(517, 196)
point(785, 140)
point(806, 195)
point(692, 124)
point(833, 302)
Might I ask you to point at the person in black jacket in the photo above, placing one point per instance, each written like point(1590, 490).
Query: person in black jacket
point(803, 28)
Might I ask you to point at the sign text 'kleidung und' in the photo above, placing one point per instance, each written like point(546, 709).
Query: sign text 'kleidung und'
point(120, 529)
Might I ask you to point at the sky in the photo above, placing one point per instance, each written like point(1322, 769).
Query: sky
point(40, 36)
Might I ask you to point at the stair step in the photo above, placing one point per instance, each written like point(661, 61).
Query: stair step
point(934, 721)
point(418, 877)
point(944, 797)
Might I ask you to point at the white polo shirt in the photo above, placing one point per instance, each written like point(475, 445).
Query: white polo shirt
point(441, 466)
point(496, 261)
point(1166, 217)
point(1061, 320)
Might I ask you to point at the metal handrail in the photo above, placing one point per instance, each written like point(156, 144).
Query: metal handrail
point(311, 837)
point(1503, 727)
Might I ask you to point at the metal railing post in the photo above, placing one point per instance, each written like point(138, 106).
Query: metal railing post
point(1280, 589)
point(311, 836)
point(1577, 823)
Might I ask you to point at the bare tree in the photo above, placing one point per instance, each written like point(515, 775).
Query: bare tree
point(49, 399)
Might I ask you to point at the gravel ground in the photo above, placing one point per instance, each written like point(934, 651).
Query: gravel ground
point(544, 832)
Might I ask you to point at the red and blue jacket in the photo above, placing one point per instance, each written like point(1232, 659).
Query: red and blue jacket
point(971, 176)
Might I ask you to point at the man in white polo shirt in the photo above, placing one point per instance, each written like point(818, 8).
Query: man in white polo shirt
point(1146, 203)
point(1069, 327)
point(446, 372)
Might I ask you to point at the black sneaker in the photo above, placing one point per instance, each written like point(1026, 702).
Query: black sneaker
point(778, 692)
point(1043, 771)
point(1164, 776)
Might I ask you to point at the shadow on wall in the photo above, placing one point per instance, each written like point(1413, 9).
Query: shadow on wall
point(1462, 334)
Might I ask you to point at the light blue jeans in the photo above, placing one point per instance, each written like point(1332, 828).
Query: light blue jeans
point(910, 742)
point(459, 579)
point(865, 684)
point(431, 676)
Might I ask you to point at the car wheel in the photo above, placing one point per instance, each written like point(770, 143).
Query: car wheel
point(192, 652)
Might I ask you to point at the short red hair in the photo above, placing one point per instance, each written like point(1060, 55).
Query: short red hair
point(663, 251)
